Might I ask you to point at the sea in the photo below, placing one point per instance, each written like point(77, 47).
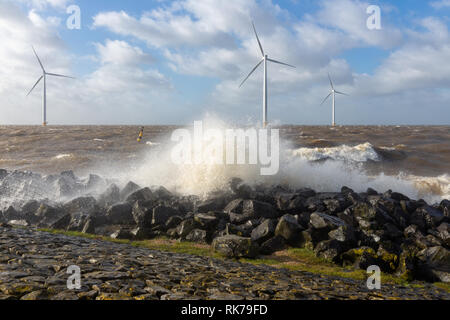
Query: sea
point(413, 160)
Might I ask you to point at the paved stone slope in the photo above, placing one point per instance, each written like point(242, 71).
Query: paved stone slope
point(33, 265)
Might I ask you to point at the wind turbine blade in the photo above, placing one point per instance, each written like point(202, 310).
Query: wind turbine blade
point(251, 72)
point(35, 85)
point(39, 60)
point(285, 64)
point(59, 75)
point(326, 98)
point(331, 82)
point(257, 38)
point(341, 93)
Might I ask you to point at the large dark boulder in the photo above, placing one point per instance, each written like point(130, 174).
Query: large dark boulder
point(330, 250)
point(62, 223)
point(197, 235)
point(272, 245)
point(214, 204)
point(81, 206)
point(289, 229)
point(444, 206)
point(233, 246)
point(143, 213)
point(186, 227)
point(161, 214)
point(11, 214)
point(443, 232)
point(47, 215)
point(144, 194)
point(264, 231)
point(207, 222)
point(434, 264)
point(120, 214)
point(324, 221)
point(243, 210)
point(129, 188)
point(427, 217)
point(344, 234)
point(110, 196)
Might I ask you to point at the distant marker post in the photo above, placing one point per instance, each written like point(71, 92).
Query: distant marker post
point(141, 135)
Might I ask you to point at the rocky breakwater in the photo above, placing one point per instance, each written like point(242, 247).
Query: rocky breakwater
point(402, 236)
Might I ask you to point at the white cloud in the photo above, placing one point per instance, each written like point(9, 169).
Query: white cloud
point(440, 4)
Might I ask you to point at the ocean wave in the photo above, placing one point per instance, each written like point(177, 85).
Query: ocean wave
point(360, 153)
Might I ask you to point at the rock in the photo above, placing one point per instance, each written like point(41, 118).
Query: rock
point(11, 214)
point(197, 235)
point(144, 194)
point(272, 245)
point(120, 213)
point(343, 234)
point(214, 204)
point(206, 221)
point(173, 222)
point(162, 193)
point(434, 264)
point(243, 210)
point(330, 250)
point(333, 206)
point(235, 247)
point(94, 222)
point(47, 215)
point(235, 206)
point(81, 206)
point(110, 196)
point(361, 258)
point(444, 233)
point(444, 206)
point(122, 233)
point(77, 222)
point(3, 174)
point(239, 230)
point(289, 229)
point(371, 192)
point(62, 223)
point(143, 213)
point(128, 189)
point(161, 214)
point(186, 227)
point(142, 233)
point(241, 189)
point(18, 223)
point(323, 221)
point(427, 217)
point(398, 196)
point(264, 231)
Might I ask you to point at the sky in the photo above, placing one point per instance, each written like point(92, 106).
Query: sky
point(173, 62)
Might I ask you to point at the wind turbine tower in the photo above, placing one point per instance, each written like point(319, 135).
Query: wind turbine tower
point(44, 97)
point(333, 94)
point(265, 59)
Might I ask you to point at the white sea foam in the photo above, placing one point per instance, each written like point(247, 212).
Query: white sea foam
point(360, 153)
point(298, 168)
point(62, 156)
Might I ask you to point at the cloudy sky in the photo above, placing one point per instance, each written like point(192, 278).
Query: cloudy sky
point(171, 62)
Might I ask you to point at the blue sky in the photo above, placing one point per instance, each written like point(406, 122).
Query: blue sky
point(151, 62)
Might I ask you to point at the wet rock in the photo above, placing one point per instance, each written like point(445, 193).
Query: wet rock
point(214, 204)
point(330, 250)
point(123, 233)
point(233, 246)
point(343, 234)
point(129, 188)
point(240, 189)
point(444, 233)
point(62, 223)
point(161, 214)
point(11, 214)
point(361, 258)
point(289, 229)
point(162, 193)
point(110, 196)
point(186, 227)
point(206, 221)
point(444, 206)
point(142, 233)
point(3, 174)
point(272, 245)
point(173, 222)
point(371, 192)
point(81, 206)
point(143, 213)
point(264, 231)
point(427, 217)
point(47, 215)
point(434, 264)
point(197, 235)
point(144, 194)
point(323, 221)
point(120, 214)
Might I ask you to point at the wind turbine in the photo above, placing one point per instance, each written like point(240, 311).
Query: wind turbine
point(333, 92)
point(44, 76)
point(265, 59)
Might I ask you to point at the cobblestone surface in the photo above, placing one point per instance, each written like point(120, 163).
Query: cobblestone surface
point(33, 265)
